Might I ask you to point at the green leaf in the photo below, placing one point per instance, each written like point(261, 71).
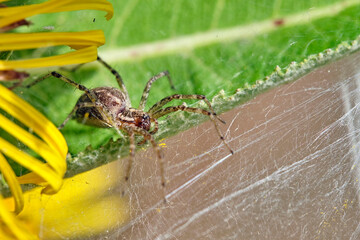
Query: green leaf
point(207, 46)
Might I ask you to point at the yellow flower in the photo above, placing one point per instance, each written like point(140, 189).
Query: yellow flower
point(51, 147)
point(88, 204)
point(42, 138)
point(86, 49)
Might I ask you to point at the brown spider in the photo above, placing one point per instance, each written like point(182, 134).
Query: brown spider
point(110, 107)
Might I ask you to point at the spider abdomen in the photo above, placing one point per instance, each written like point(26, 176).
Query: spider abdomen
point(112, 100)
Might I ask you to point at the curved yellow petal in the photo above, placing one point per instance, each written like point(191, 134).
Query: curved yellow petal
point(89, 205)
point(13, 14)
point(18, 229)
point(30, 117)
point(18, 41)
point(93, 4)
point(47, 140)
point(13, 183)
point(53, 149)
point(31, 178)
point(4, 235)
point(53, 158)
point(83, 55)
point(31, 163)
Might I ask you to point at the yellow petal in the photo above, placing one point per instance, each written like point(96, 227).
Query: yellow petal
point(30, 117)
point(90, 204)
point(53, 149)
point(18, 41)
point(52, 157)
point(30, 178)
point(13, 14)
point(4, 234)
point(18, 229)
point(83, 55)
point(31, 163)
point(13, 183)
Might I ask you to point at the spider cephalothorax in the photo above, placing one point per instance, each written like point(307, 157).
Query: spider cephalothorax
point(111, 107)
point(141, 119)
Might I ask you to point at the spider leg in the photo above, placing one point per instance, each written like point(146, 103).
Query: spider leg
point(69, 116)
point(117, 76)
point(145, 94)
point(142, 142)
point(72, 69)
point(184, 108)
point(131, 128)
point(132, 153)
point(77, 106)
point(38, 80)
point(104, 113)
point(67, 80)
point(166, 100)
point(156, 128)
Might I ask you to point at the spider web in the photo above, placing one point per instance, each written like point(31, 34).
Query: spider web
point(294, 174)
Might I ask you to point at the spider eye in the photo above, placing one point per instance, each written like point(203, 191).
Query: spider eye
point(145, 122)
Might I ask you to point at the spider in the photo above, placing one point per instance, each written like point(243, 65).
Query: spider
point(109, 107)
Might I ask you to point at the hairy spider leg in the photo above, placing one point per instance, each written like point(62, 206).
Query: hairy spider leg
point(72, 69)
point(67, 80)
point(147, 88)
point(132, 153)
point(156, 128)
point(168, 99)
point(165, 111)
point(89, 93)
point(118, 79)
point(131, 129)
